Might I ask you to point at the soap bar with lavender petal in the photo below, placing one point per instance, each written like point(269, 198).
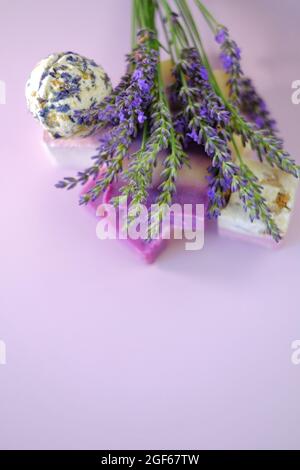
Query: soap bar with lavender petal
point(279, 191)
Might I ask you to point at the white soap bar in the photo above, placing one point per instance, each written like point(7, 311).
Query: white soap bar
point(279, 191)
point(73, 153)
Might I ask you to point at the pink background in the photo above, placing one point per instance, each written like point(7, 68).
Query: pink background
point(102, 351)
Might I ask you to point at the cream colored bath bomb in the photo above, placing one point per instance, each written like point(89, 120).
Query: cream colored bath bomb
point(61, 88)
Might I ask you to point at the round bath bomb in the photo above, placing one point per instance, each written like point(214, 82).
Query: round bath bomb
point(61, 88)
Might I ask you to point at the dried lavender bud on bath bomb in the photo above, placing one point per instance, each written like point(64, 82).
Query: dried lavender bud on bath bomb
point(61, 88)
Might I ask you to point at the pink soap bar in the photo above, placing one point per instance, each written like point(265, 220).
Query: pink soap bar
point(191, 189)
point(148, 251)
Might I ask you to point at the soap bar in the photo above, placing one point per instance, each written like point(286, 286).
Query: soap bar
point(279, 191)
point(191, 189)
point(73, 153)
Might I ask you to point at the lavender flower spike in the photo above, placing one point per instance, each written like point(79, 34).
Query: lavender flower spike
point(231, 59)
point(206, 120)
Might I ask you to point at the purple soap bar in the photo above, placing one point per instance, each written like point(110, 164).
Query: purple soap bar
point(191, 189)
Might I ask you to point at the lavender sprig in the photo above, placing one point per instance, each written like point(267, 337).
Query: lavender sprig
point(231, 59)
point(138, 176)
point(172, 164)
point(206, 119)
point(242, 91)
point(261, 135)
point(250, 192)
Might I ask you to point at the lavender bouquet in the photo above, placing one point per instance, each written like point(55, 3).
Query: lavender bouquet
point(195, 109)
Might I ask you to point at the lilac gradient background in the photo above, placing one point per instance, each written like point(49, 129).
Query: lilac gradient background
point(103, 351)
